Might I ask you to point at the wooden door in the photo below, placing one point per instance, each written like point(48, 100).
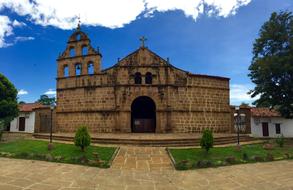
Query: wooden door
point(21, 126)
point(144, 125)
point(265, 129)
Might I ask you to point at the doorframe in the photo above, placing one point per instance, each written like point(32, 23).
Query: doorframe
point(265, 127)
point(24, 120)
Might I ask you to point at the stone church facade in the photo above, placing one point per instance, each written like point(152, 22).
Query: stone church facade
point(140, 93)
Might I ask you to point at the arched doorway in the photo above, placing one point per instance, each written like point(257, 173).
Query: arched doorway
point(143, 115)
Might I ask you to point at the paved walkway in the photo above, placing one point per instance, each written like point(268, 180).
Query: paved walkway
point(135, 169)
point(142, 158)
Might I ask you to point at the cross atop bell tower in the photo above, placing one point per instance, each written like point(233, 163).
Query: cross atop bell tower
point(79, 23)
point(142, 39)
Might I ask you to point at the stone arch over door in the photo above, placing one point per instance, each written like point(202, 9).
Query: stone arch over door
point(143, 115)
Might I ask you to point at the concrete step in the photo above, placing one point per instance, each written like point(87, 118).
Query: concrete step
point(152, 142)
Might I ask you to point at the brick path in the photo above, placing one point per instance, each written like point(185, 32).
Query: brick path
point(142, 158)
point(37, 175)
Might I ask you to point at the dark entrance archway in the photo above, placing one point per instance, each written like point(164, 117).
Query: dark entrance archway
point(143, 115)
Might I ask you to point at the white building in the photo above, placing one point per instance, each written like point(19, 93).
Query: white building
point(269, 123)
point(25, 122)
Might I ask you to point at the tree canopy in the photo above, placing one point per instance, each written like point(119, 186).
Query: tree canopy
point(46, 100)
point(8, 100)
point(272, 65)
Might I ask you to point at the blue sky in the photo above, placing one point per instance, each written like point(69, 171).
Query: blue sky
point(211, 38)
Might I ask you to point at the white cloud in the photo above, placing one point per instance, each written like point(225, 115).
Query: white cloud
point(6, 30)
point(16, 23)
point(51, 92)
point(22, 92)
point(112, 13)
point(239, 93)
point(108, 13)
point(23, 38)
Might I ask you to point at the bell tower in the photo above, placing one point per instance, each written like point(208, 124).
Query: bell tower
point(79, 57)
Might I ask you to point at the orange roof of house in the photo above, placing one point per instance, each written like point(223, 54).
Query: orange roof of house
point(29, 107)
point(264, 112)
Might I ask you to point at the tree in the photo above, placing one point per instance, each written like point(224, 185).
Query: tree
point(272, 65)
point(82, 138)
point(21, 102)
point(207, 140)
point(8, 100)
point(243, 104)
point(46, 100)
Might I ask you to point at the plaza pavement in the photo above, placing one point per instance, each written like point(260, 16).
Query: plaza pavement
point(142, 168)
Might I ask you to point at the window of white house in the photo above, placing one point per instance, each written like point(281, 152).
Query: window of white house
point(278, 128)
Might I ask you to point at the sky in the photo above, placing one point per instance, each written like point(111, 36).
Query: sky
point(212, 37)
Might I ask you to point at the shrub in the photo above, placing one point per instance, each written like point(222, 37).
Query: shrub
point(287, 155)
point(245, 156)
point(258, 158)
point(204, 164)
point(269, 157)
point(182, 165)
point(58, 158)
point(230, 159)
point(83, 159)
point(82, 138)
point(207, 140)
point(280, 140)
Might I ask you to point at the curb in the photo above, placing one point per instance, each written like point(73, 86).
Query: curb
point(114, 156)
point(171, 158)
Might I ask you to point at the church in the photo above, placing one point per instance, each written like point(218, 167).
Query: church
point(141, 93)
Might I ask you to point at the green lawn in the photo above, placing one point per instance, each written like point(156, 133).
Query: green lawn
point(220, 156)
point(66, 153)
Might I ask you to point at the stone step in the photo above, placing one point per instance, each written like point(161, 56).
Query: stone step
point(152, 142)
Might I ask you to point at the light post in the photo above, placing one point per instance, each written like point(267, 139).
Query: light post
point(52, 106)
point(239, 120)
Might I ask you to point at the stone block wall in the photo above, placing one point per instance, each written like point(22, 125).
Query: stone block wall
point(195, 122)
point(97, 122)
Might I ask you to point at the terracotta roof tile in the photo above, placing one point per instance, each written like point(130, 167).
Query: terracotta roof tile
point(264, 112)
point(29, 107)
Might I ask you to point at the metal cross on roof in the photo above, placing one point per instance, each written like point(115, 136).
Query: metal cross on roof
point(143, 39)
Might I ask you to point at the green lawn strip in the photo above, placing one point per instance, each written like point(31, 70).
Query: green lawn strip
point(190, 157)
point(66, 153)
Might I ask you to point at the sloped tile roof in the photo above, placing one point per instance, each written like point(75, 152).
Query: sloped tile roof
point(264, 112)
point(29, 107)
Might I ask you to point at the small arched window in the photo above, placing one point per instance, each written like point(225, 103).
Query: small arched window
point(148, 78)
point(65, 71)
point(90, 68)
point(72, 52)
point(84, 50)
point(77, 69)
point(137, 78)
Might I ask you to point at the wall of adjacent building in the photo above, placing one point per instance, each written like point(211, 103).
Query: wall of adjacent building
point(29, 122)
point(285, 124)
